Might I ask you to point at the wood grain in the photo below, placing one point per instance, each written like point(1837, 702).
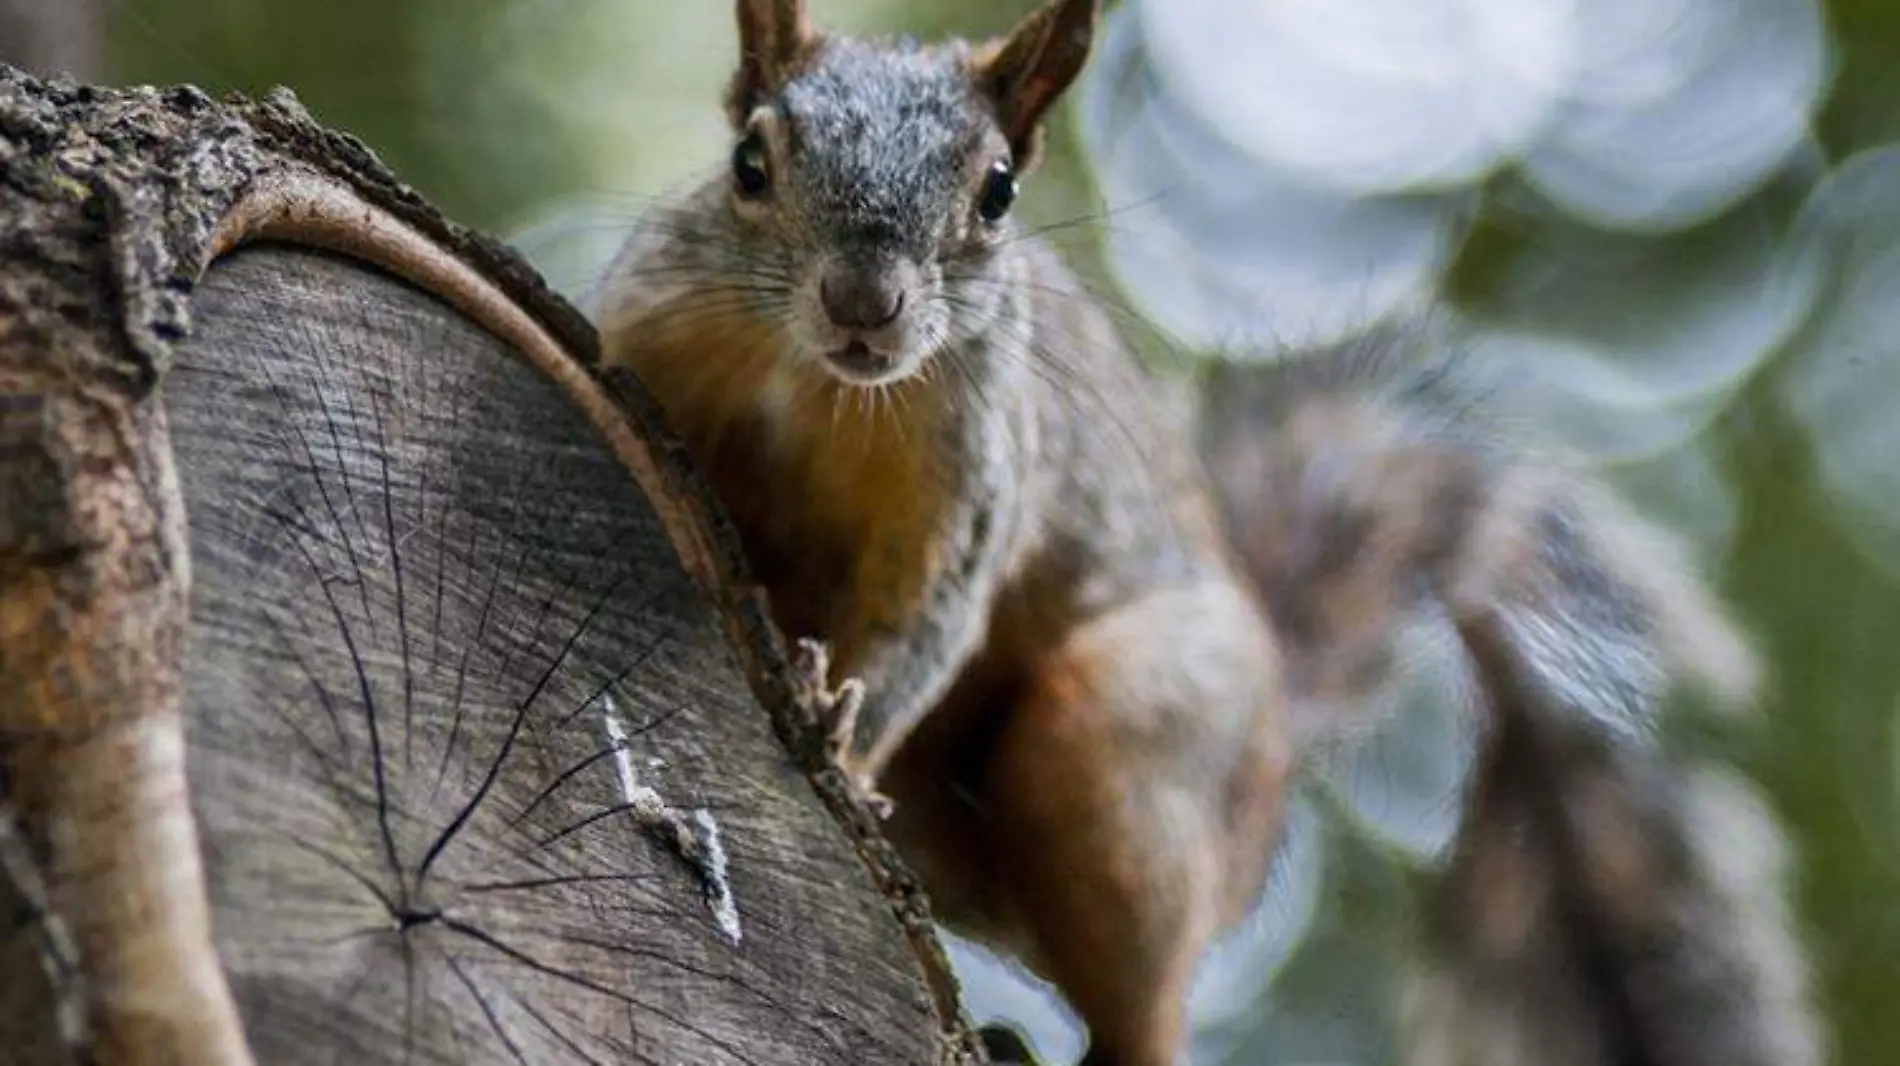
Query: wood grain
point(420, 590)
point(319, 606)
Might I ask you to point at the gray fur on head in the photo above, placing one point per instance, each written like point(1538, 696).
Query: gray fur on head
point(862, 172)
point(871, 184)
point(882, 141)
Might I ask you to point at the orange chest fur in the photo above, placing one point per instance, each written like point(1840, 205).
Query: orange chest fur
point(840, 496)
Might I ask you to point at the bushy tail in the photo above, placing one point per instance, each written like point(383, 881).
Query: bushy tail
point(1602, 905)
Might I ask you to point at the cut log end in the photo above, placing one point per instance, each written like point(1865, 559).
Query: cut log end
point(470, 742)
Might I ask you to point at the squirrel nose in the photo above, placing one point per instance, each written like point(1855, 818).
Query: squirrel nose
point(859, 300)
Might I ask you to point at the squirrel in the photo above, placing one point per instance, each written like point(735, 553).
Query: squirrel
point(1074, 621)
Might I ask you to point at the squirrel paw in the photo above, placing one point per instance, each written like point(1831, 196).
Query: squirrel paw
point(834, 710)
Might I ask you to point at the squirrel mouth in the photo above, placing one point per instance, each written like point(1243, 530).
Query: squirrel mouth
point(858, 362)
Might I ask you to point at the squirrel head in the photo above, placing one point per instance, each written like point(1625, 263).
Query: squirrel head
point(871, 182)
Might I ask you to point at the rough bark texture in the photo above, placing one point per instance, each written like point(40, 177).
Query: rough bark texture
point(433, 735)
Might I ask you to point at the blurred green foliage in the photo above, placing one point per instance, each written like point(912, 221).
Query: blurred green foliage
point(454, 94)
point(498, 109)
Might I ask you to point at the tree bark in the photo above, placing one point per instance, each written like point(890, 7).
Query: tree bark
point(377, 683)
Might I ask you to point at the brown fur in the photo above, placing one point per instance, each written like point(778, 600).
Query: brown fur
point(1080, 652)
point(776, 41)
point(1581, 922)
point(1089, 794)
point(815, 490)
point(1026, 71)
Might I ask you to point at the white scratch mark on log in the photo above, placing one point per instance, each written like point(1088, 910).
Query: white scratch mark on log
point(697, 842)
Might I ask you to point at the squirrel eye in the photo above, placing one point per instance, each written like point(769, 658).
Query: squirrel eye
point(748, 168)
point(999, 192)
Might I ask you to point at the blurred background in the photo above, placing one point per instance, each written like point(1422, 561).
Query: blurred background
point(1674, 223)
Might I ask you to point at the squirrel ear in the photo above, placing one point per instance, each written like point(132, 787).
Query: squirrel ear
point(774, 37)
point(1025, 72)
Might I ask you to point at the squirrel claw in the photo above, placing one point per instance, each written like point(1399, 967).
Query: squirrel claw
point(846, 701)
point(834, 710)
point(880, 805)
